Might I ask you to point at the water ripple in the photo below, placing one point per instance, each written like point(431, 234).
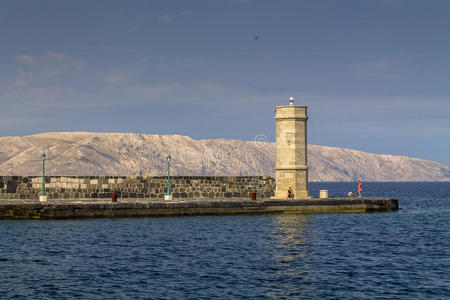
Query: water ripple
point(400, 255)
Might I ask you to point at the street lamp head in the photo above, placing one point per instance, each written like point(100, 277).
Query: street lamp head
point(169, 158)
point(43, 156)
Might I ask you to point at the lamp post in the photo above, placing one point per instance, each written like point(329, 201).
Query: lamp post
point(168, 196)
point(43, 198)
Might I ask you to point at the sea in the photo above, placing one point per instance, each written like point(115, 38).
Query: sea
point(384, 255)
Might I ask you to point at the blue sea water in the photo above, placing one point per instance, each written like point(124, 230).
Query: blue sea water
point(394, 255)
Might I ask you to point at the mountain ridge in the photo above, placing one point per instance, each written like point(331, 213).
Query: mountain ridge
point(92, 153)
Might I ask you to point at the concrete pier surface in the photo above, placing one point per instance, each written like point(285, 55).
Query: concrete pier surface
point(103, 208)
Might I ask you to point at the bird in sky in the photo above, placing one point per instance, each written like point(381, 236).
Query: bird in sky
point(256, 37)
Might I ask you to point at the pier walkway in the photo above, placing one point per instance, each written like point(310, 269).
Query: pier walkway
point(104, 208)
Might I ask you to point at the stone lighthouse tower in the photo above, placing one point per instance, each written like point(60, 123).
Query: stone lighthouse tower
point(291, 166)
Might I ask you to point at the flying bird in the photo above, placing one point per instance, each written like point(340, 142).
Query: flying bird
point(256, 37)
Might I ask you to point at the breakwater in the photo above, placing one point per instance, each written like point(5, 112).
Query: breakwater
point(141, 208)
point(134, 187)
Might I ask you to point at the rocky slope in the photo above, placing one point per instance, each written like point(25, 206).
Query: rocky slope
point(83, 153)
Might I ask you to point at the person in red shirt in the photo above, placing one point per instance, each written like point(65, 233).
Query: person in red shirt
point(359, 188)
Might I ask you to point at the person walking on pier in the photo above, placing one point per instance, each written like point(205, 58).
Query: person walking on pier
point(359, 188)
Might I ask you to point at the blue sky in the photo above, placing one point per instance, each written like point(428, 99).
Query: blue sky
point(373, 73)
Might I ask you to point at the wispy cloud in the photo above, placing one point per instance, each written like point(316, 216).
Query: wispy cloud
point(48, 97)
point(38, 89)
point(116, 76)
point(165, 18)
point(35, 69)
point(43, 81)
point(53, 81)
point(26, 59)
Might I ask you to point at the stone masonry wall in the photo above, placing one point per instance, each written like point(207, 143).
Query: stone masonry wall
point(86, 187)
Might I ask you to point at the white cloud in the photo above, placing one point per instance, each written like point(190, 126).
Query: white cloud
point(57, 56)
point(38, 69)
point(45, 82)
point(36, 89)
point(165, 18)
point(26, 59)
point(116, 76)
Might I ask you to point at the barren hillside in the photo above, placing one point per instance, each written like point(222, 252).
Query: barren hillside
point(83, 153)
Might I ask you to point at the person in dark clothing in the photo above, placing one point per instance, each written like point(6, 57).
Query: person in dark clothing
point(290, 193)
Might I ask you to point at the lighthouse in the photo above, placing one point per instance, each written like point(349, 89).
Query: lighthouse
point(291, 169)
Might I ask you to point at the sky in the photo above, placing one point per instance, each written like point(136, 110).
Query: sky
point(375, 74)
